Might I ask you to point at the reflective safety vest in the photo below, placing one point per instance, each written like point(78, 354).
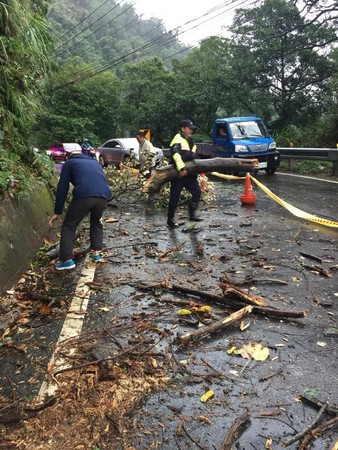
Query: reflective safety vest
point(182, 150)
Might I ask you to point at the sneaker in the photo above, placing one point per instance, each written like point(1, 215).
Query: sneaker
point(171, 223)
point(95, 257)
point(66, 265)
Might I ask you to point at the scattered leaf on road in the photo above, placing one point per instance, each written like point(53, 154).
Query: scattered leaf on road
point(331, 331)
point(255, 351)
point(184, 312)
point(207, 395)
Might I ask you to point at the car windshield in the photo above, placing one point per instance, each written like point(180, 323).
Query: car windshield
point(130, 143)
point(71, 147)
point(248, 129)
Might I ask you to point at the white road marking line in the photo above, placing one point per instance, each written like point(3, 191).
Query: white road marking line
point(71, 329)
point(309, 178)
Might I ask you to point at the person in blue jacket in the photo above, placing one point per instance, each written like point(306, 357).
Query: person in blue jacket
point(90, 196)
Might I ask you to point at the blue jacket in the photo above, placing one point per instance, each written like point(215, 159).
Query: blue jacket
point(87, 177)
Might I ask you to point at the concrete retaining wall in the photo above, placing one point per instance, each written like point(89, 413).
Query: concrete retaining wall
point(23, 225)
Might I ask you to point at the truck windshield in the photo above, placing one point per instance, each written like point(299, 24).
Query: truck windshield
point(248, 129)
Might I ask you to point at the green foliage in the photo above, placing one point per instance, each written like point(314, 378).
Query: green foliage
point(76, 110)
point(308, 167)
point(15, 176)
point(24, 48)
point(280, 73)
point(148, 91)
point(202, 83)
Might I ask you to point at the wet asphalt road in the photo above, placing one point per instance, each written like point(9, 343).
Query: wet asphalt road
point(261, 241)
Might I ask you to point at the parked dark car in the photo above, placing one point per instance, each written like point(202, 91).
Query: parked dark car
point(122, 150)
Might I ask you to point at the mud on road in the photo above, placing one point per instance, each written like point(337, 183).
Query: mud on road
point(133, 384)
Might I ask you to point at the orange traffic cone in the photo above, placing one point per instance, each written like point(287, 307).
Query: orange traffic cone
point(248, 198)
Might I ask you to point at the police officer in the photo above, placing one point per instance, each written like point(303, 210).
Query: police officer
point(182, 149)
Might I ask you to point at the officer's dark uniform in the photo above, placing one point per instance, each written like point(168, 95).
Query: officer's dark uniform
point(183, 149)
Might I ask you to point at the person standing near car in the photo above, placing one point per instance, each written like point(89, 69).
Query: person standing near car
point(146, 153)
point(90, 196)
point(182, 149)
point(87, 148)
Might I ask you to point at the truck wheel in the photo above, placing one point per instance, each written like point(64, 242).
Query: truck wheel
point(271, 170)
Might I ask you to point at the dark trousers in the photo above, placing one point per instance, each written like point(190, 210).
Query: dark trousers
point(176, 187)
point(78, 209)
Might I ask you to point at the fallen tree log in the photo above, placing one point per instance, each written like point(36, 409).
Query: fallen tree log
point(259, 310)
point(219, 325)
point(231, 303)
point(169, 173)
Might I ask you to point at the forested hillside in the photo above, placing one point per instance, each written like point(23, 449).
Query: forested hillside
point(107, 32)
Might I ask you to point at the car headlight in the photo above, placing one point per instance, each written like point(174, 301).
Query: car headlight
point(272, 146)
point(241, 148)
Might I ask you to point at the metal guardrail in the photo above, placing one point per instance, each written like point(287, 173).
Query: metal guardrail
point(317, 154)
point(290, 153)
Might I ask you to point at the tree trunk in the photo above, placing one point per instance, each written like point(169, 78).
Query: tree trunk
point(220, 324)
point(169, 173)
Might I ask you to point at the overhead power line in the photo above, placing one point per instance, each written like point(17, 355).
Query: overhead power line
point(97, 20)
point(104, 25)
point(83, 20)
point(157, 43)
point(164, 40)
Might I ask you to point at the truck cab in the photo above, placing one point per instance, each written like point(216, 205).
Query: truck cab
point(243, 137)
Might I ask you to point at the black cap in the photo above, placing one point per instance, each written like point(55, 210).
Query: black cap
point(187, 123)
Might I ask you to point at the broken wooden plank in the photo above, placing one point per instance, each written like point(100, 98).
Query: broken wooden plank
point(219, 325)
point(228, 288)
point(237, 427)
point(314, 257)
point(169, 173)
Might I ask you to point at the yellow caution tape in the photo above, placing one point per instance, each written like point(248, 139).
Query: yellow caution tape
point(292, 209)
point(226, 177)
